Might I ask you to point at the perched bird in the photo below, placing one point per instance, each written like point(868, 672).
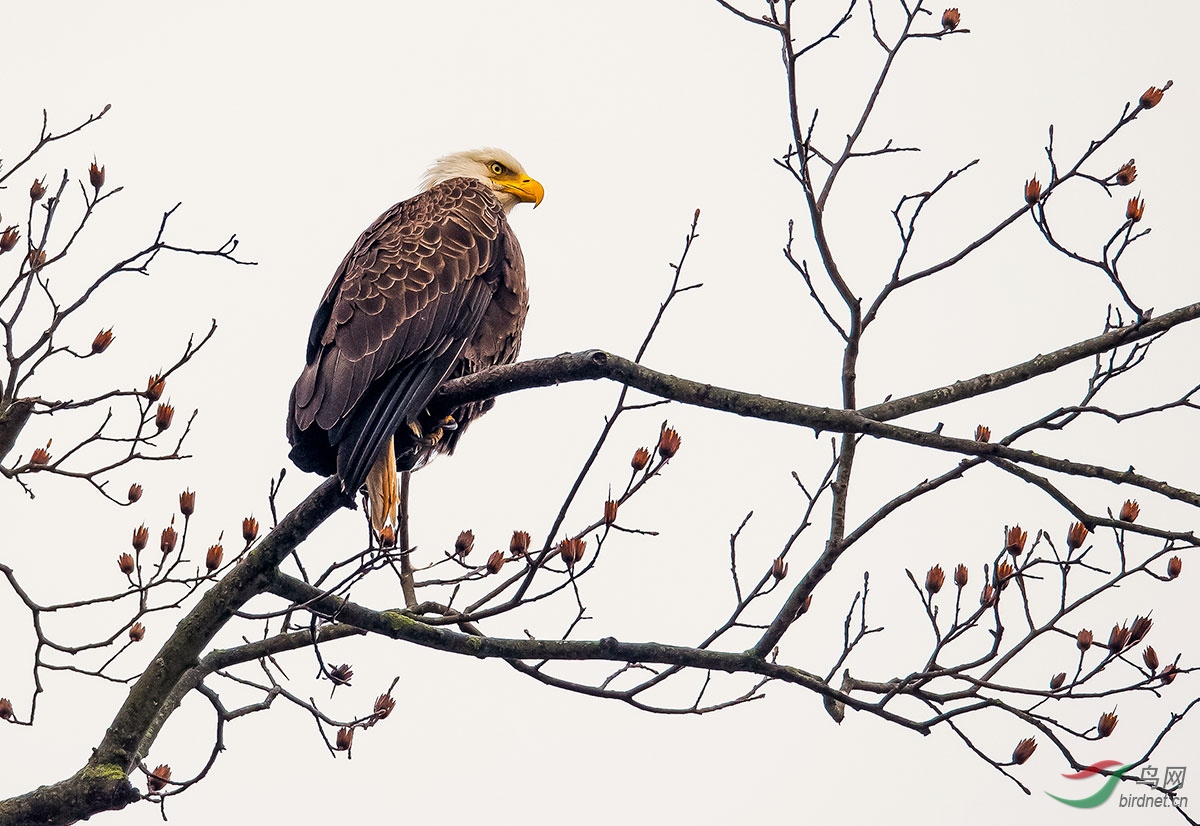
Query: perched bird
point(433, 290)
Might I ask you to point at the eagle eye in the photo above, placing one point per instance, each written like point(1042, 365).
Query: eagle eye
point(496, 167)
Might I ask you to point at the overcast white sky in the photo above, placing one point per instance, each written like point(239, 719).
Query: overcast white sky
point(294, 125)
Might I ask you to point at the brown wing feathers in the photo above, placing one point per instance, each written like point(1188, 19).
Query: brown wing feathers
point(408, 298)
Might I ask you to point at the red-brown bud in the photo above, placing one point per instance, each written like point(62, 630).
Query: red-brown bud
point(341, 674)
point(157, 780)
point(162, 419)
point(167, 541)
point(1024, 750)
point(41, 455)
point(1130, 511)
point(464, 543)
point(1106, 724)
point(571, 551)
point(1127, 174)
point(141, 536)
point(779, 568)
point(987, 597)
point(1150, 658)
point(250, 529)
point(1004, 572)
point(102, 340)
point(384, 705)
point(934, 579)
point(36, 259)
point(1033, 190)
point(126, 564)
point(950, 19)
point(1174, 567)
point(519, 543)
point(1056, 682)
point(641, 458)
point(1151, 97)
point(37, 190)
point(212, 559)
point(9, 238)
point(1139, 628)
point(135, 492)
point(1135, 209)
point(136, 632)
point(1168, 673)
point(6, 709)
point(960, 576)
point(610, 511)
point(495, 562)
point(345, 738)
point(155, 387)
point(1083, 640)
point(1014, 540)
point(1076, 535)
point(96, 175)
point(187, 502)
point(668, 443)
point(983, 433)
point(1118, 638)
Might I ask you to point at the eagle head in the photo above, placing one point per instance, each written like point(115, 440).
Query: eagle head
point(509, 181)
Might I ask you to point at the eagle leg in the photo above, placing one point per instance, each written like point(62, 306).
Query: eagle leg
point(382, 493)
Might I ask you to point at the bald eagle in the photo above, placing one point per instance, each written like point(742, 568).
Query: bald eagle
point(433, 290)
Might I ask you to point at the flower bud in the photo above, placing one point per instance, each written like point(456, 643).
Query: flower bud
point(1139, 628)
point(141, 536)
point(950, 19)
point(641, 457)
point(137, 631)
point(987, 597)
point(1024, 750)
point(135, 492)
point(155, 387)
point(1135, 208)
point(157, 780)
point(464, 543)
point(9, 238)
point(982, 433)
point(960, 576)
point(1118, 638)
point(1056, 682)
point(495, 562)
point(96, 175)
point(668, 443)
point(1084, 639)
point(1150, 658)
point(345, 738)
point(1033, 190)
point(1127, 174)
point(1014, 540)
point(126, 564)
point(1004, 572)
point(166, 542)
point(162, 419)
point(187, 502)
point(341, 674)
point(1151, 97)
point(102, 340)
point(250, 529)
point(6, 709)
point(571, 551)
point(519, 543)
point(1168, 673)
point(1174, 567)
point(610, 511)
point(38, 190)
point(41, 455)
point(1106, 724)
point(212, 559)
point(934, 579)
point(384, 704)
point(1130, 511)
point(779, 568)
point(1076, 536)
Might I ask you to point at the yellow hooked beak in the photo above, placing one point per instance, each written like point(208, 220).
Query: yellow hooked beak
point(526, 189)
